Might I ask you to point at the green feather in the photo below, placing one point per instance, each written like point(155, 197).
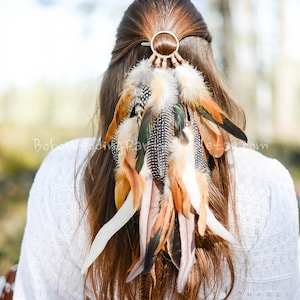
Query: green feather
point(152, 246)
point(179, 118)
point(144, 133)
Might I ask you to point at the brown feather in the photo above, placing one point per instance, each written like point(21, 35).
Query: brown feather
point(213, 142)
point(136, 182)
point(165, 220)
point(217, 138)
point(160, 218)
point(122, 188)
point(180, 195)
point(119, 115)
point(176, 195)
point(213, 109)
point(202, 182)
point(167, 227)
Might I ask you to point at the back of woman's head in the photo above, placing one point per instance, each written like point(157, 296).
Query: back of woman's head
point(142, 20)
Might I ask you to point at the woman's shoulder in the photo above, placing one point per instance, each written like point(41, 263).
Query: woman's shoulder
point(253, 163)
point(265, 195)
point(73, 150)
point(64, 160)
point(59, 178)
point(56, 197)
point(262, 176)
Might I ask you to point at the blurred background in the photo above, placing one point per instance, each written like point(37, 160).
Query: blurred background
point(52, 56)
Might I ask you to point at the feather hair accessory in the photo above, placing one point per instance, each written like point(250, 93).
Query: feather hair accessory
point(164, 124)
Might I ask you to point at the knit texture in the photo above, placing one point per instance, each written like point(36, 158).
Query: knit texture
point(56, 237)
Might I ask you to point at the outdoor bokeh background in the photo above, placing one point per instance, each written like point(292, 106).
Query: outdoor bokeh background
point(52, 55)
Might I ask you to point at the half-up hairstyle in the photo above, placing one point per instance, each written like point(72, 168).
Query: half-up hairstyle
point(108, 274)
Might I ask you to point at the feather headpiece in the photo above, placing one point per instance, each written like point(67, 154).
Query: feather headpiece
point(164, 126)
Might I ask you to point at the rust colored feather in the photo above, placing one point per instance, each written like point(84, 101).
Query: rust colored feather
point(213, 109)
point(119, 115)
point(122, 188)
point(212, 141)
point(203, 186)
point(161, 232)
point(176, 195)
point(180, 195)
point(136, 182)
point(167, 226)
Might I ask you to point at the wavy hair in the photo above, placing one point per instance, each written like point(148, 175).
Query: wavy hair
point(108, 273)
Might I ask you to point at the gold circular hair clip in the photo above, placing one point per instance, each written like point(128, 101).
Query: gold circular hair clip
point(160, 60)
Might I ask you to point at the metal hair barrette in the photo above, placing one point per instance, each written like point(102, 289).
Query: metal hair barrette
point(159, 59)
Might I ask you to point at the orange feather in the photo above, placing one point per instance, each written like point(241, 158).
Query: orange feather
point(167, 226)
point(213, 141)
point(119, 115)
point(160, 218)
point(202, 182)
point(165, 220)
point(180, 195)
point(122, 188)
point(176, 195)
point(136, 182)
point(212, 108)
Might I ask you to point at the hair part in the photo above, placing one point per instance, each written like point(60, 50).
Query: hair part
point(108, 273)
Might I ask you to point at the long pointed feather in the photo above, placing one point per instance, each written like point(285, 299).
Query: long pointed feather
point(136, 181)
point(153, 244)
point(203, 185)
point(122, 188)
point(217, 227)
point(144, 133)
point(167, 225)
point(148, 213)
point(127, 136)
point(173, 243)
point(186, 228)
point(119, 115)
point(223, 121)
point(179, 118)
point(121, 217)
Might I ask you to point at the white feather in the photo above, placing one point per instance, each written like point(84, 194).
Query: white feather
point(164, 89)
point(127, 135)
point(191, 83)
point(128, 130)
point(141, 73)
point(121, 217)
point(217, 227)
point(189, 178)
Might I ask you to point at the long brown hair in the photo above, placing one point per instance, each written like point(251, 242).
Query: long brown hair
point(108, 273)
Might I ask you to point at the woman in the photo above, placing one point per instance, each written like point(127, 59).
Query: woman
point(163, 207)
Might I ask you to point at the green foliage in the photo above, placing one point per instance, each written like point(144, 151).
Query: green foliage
point(288, 154)
point(14, 193)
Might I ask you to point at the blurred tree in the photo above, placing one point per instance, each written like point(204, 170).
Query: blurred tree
point(284, 105)
point(227, 47)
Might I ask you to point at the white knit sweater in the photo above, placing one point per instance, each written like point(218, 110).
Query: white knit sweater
point(56, 235)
